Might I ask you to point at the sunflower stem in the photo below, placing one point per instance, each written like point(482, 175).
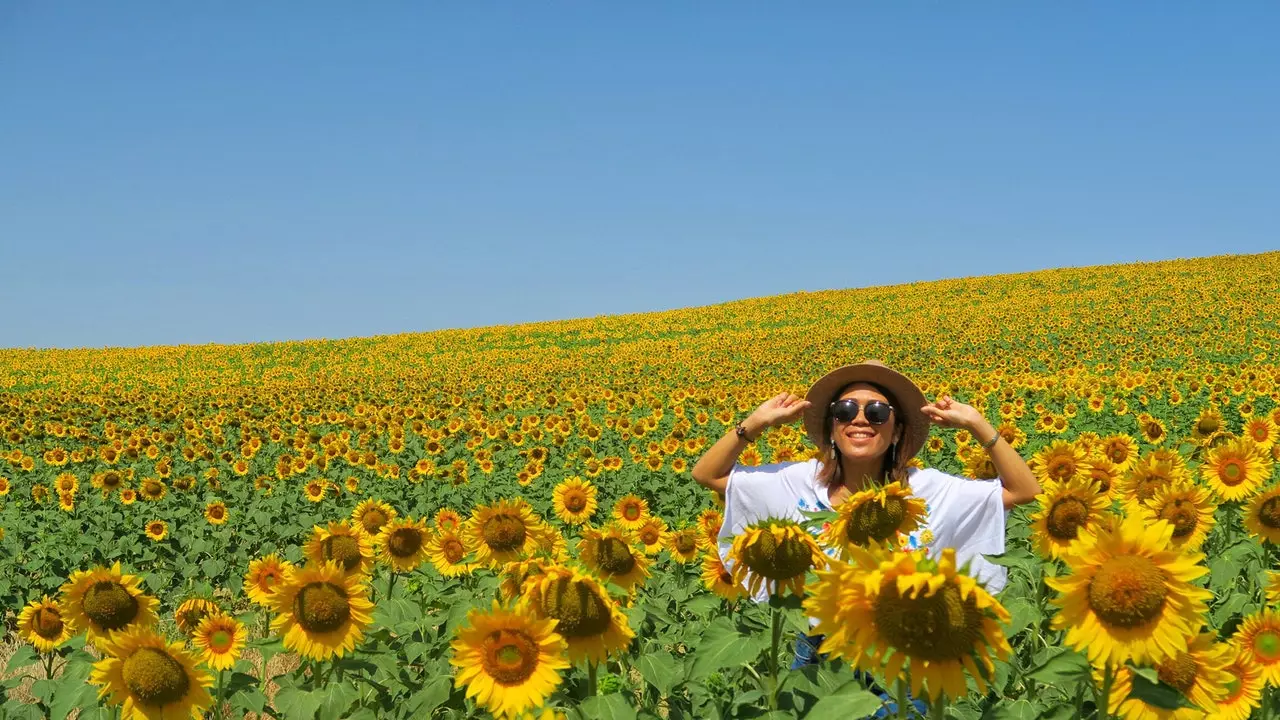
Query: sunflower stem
point(48, 665)
point(218, 702)
point(391, 585)
point(938, 710)
point(902, 699)
point(1104, 697)
point(591, 679)
point(776, 623)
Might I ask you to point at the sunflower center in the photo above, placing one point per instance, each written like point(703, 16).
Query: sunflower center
point(581, 612)
point(939, 627)
point(1066, 518)
point(321, 607)
point(509, 656)
point(216, 512)
point(151, 487)
point(220, 641)
point(876, 521)
point(1118, 454)
point(1061, 468)
point(268, 579)
point(1154, 431)
point(1232, 473)
point(575, 502)
point(190, 618)
point(154, 677)
point(342, 549)
point(404, 542)
point(1180, 672)
point(631, 511)
point(615, 557)
point(686, 543)
point(1269, 513)
point(504, 532)
point(1232, 688)
point(777, 560)
point(649, 535)
point(1182, 515)
point(1127, 591)
point(109, 605)
point(1103, 480)
point(1207, 426)
point(453, 551)
point(47, 623)
point(1266, 645)
point(373, 520)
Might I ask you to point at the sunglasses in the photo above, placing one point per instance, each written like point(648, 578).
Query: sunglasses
point(877, 412)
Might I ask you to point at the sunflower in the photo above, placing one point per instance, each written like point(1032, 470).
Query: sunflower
point(157, 530)
point(66, 483)
point(776, 554)
point(1207, 424)
point(574, 501)
point(502, 532)
point(709, 523)
point(683, 544)
point(447, 519)
point(1060, 461)
point(1065, 510)
point(314, 491)
point(321, 610)
point(717, 578)
point(1105, 473)
point(653, 535)
point(221, 637)
point(192, 612)
point(884, 514)
point(372, 515)
point(1235, 469)
point(66, 501)
point(1128, 595)
point(216, 512)
point(611, 553)
point(152, 489)
point(402, 544)
point(509, 662)
point(263, 577)
point(590, 621)
point(1153, 429)
point(448, 551)
point(1120, 449)
point(978, 465)
point(41, 624)
point(128, 496)
point(1261, 431)
point(343, 544)
point(1188, 507)
point(1147, 475)
point(1244, 687)
point(630, 511)
point(515, 574)
point(1198, 673)
point(99, 601)
point(904, 613)
point(152, 678)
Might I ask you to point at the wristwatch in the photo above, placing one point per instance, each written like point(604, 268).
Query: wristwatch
point(741, 430)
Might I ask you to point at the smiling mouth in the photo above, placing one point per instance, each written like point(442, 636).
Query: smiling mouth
point(860, 435)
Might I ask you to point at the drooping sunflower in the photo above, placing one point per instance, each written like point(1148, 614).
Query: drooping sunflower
point(342, 543)
point(503, 532)
point(100, 601)
point(653, 535)
point(590, 621)
point(1261, 431)
point(40, 623)
point(321, 610)
point(774, 554)
point(885, 514)
point(1065, 510)
point(508, 661)
point(221, 638)
point(717, 578)
point(152, 678)
point(574, 500)
point(1235, 469)
point(682, 543)
point(1198, 672)
point(1129, 596)
point(1207, 424)
point(448, 551)
point(372, 514)
point(903, 613)
point(191, 612)
point(216, 512)
point(611, 552)
point(630, 511)
point(1187, 506)
point(402, 543)
point(1060, 461)
point(263, 577)
point(1243, 687)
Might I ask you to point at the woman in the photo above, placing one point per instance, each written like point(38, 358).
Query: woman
point(869, 421)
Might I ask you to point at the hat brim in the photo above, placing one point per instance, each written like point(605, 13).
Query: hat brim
point(904, 392)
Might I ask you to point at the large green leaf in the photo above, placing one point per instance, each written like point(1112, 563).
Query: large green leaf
point(722, 646)
point(1063, 669)
point(660, 670)
point(614, 706)
point(851, 700)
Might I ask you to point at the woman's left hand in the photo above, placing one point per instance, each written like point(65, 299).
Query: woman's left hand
point(951, 413)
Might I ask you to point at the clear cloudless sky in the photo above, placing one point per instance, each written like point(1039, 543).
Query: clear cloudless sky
point(238, 172)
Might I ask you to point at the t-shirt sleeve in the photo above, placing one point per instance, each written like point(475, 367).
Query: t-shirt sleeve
point(760, 491)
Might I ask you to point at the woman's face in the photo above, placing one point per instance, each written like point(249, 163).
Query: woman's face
point(859, 439)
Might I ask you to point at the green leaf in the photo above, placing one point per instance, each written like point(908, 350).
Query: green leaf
point(608, 707)
point(1016, 710)
point(1022, 614)
point(660, 670)
point(295, 704)
point(213, 568)
point(337, 698)
point(1148, 688)
point(1062, 670)
point(431, 696)
point(722, 646)
point(26, 655)
point(850, 700)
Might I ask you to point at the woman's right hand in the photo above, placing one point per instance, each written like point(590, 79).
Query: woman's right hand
point(781, 409)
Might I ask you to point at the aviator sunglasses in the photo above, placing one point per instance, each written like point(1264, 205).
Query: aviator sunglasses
point(876, 411)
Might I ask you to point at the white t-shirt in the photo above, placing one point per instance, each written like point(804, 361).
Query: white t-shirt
point(964, 514)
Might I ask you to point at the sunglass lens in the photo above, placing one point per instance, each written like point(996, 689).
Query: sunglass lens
point(845, 410)
point(878, 413)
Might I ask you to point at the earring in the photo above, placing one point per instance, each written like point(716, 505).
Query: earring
point(893, 455)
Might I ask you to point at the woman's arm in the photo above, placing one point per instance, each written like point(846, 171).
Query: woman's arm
point(712, 469)
point(1020, 484)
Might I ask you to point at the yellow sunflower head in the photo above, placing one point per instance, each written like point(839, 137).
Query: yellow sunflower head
point(653, 535)
point(1149, 473)
point(1198, 672)
point(682, 543)
point(508, 660)
point(101, 601)
point(503, 532)
point(900, 612)
point(1121, 450)
point(1243, 688)
point(191, 612)
point(321, 610)
point(612, 553)
point(402, 543)
point(371, 515)
point(1065, 510)
point(1129, 594)
point(1261, 431)
point(709, 523)
point(1207, 424)
point(590, 621)
point(774, 554)
point(151, 677)
point(343, 544)
point(1059, 461)
point(574, 501)
point(718, 579)
point(447, 519)
point(216, 513)
point(40, 623)
point(516, 574)
point(1188, 507)
point(221, 639)
point(630, 511)
point(883, 515)
point(448, 552)
point(263, 577)
point(1259, 638)
point(157, 530)
point(1235, 469)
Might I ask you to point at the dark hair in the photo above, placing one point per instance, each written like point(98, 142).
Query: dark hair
point(829, 467)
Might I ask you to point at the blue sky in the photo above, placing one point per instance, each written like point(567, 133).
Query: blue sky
point(237, 172)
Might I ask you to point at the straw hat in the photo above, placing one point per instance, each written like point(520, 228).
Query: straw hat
point(906, 397)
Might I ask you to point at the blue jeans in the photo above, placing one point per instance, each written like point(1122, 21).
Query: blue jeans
point(807, 654)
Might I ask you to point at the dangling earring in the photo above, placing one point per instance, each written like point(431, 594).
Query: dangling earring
point(893, 456)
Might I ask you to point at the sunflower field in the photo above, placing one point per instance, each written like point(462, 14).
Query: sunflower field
point(501, 521)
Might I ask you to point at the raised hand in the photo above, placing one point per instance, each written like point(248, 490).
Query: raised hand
point(780, 409)
point(951, 413)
